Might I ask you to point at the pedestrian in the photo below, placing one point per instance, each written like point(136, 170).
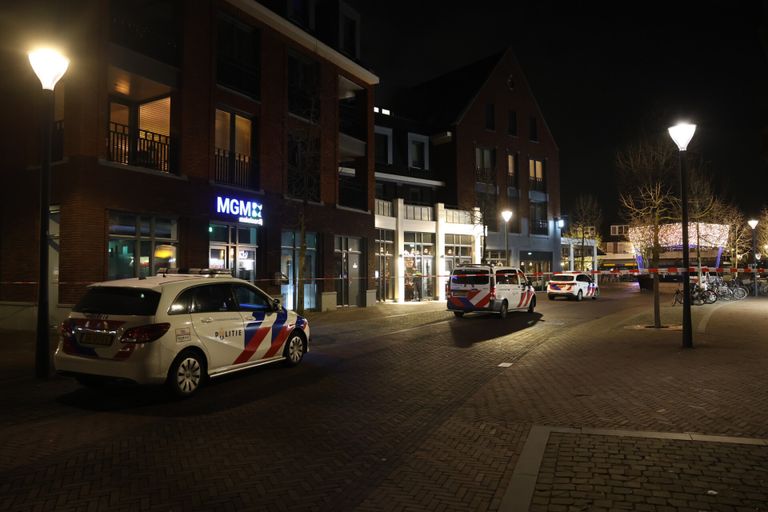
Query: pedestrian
point(417, 286)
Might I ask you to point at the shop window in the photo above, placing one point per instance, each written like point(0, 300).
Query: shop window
point(289, 264)
point(140, 245)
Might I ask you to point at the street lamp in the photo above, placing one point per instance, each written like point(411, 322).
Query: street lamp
point(49, 66)
point(682, 133)
point(753, 224)
point(506, 215)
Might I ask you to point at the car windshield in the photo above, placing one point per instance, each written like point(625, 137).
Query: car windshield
point(473, 276)
point(563, 278)
point(112, 300)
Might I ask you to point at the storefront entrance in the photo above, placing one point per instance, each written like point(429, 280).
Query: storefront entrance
point(385, 271)
point(348, 261)
point(419, 262)
point(233, 247)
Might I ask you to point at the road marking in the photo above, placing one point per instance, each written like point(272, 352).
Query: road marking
point(517, 497)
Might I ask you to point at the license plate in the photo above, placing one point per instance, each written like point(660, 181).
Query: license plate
point(96, 338)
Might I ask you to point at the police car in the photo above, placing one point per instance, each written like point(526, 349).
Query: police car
point(177, 329)
point(489, 288)
point(572, 285)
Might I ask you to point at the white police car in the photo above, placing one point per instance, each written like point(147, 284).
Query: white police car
point(176, 329)
point(490, 289)
point(572, 285)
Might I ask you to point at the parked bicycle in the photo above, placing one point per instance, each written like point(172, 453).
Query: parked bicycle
point(699, 295)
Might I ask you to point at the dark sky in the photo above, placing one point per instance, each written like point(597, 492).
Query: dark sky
point(604, 74)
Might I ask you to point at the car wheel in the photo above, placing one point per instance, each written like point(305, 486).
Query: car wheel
point(294, 350)
point(579, 296)
point(532, 305)
point(596, 294)
point(458, 314)
point(503, 310)
point(91, 381)
point(186, 373)
point(551, 297)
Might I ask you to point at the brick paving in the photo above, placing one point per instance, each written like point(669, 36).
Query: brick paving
point(401, 407)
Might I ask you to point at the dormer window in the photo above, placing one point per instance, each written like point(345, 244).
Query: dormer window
point(418, 151)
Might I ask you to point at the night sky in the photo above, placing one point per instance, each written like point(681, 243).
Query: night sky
point(603, 76)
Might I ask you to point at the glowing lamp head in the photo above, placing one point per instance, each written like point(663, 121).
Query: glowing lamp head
point(752, 223)
point(49, 65)
point(506, 215)
point(682, 133)
point(560, 223)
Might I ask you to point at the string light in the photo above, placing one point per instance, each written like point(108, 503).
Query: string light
point(671, 235)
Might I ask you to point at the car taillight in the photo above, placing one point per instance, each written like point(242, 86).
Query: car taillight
point(144, 333)
point(66, 328)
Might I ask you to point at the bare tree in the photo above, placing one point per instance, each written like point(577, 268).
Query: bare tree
point(739, 234)
point(584, 222)
point(646, 170)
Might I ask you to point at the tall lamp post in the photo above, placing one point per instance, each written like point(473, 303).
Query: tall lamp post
point(506, 215)
point(682, 133)
point(753, 224)
point(49, 66)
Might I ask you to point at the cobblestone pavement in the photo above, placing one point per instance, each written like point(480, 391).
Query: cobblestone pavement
point(403, 407)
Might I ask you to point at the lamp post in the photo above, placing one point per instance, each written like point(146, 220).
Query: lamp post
point(682, 133)
point(49, 66)
point(506, 215)
point(753, 224)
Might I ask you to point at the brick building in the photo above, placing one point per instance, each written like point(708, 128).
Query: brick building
point(191, 134)
point(451, 155)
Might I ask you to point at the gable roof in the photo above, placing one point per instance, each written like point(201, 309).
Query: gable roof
point(442, 101)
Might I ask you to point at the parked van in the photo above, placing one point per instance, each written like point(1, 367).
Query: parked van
point(489, 288)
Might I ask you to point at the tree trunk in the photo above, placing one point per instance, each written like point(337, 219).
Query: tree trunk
point(656, 305)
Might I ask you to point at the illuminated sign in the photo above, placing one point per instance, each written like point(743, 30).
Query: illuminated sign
point(245, 211)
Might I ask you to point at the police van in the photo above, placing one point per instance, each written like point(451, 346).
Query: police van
point(491, 289)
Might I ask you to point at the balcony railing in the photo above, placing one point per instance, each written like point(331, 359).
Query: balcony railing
point(458, 216)
point(414, 212)
point(234, 168)
point(145, 149)
point(537, 184)
point(384, 208)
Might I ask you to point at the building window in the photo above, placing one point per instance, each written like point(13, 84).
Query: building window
point(418, 151)
point(511, 170)
point(302, 13)
point(139, 133)
point(234, 143)
point(385, 264)
point(233, 247)
point(538, 219)
point(139, 245)
point(619, 230)
point(383, 144)
point(485, 165)
point(303, 87)
point(349, 32)
point(533, 129)
point(304, 166)
point(536, 175)
point(512, 126)
point(490, 117)
point(238, 59)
